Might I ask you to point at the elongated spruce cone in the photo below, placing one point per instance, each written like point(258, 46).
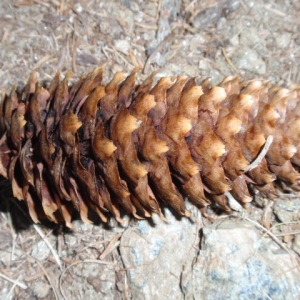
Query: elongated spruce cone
point(129, 147)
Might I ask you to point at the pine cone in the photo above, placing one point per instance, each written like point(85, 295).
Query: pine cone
point(127, 148)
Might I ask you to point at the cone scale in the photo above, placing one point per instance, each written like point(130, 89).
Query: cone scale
point(124, 147)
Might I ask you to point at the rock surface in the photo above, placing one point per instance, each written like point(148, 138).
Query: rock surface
point(155, 256)
point(235, 261)
point(287, 210)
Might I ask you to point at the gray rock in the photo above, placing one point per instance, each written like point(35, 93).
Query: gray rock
point(236, 262)
point(283, 40)
point(287, 210)
point(40, 251)
point(207, 16)
point(248, 59)
point(41, 289)
point(155, 256)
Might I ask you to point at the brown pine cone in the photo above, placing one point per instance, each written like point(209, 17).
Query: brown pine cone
point(125, 147)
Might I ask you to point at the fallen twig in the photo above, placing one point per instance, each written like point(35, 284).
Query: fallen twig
point(261, 155)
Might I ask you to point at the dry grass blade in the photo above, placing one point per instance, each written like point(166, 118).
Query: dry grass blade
point(261, 155)
point(230, 62)
point(91, 245)
point(15, 282)
point(277, 240)
point(53, 251)
point(48, 278)
point(112, 245)
point(9, 294)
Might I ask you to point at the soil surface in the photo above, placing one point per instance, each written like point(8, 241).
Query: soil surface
point(209, 38)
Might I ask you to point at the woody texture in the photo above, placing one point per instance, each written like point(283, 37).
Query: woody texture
point(128, 148)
